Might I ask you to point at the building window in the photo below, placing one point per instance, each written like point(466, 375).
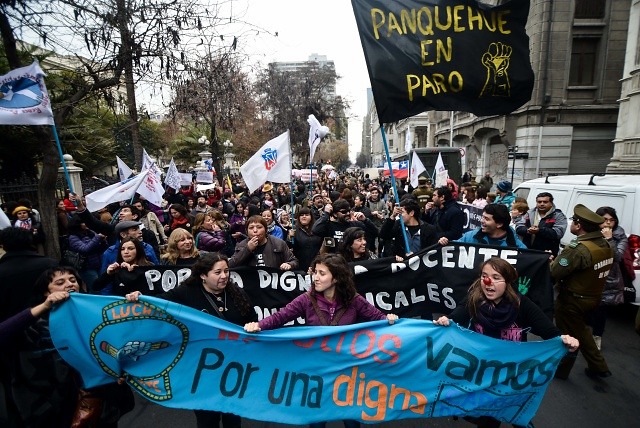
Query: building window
point(590, 9)
point(583, 61)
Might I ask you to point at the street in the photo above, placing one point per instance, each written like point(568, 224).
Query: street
point(576, 402)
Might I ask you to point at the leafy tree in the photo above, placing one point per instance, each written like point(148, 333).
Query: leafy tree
point(361, 160)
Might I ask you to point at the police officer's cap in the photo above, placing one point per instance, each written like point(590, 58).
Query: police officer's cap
point(584, 214)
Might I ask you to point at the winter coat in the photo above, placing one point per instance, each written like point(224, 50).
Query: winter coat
point(477, 236)
point(550, 230)
point(306, 247)
point(209, 240)
point(275, 253)
point(391, 230)
point(359, 310)
point(91, 245)
point(613, 293)
point(448, 220)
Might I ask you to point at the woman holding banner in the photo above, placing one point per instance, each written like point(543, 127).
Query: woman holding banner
point(210, 290)
point(493, 307)
point(333, 300)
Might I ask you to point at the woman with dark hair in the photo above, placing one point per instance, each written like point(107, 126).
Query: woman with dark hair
point(613, 293)
point(180, 219)
point(46, 390)
point(130, 255)
point(261, 249)
point(354, 245)
point(331, 301)
point(209, 289)
point(494, 308)
point(237, 221)
point(306, 245)
point(88, 244)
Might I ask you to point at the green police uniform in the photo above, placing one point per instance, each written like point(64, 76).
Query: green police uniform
point(423, 192)
point(580, 271)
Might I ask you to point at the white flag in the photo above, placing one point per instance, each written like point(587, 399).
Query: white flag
point(316, 134)
point(441, 172)
point(24, 99)
point(272, 162)
point(417, 168)
point(173, 176)
point(124, 171)
point(148, 163)
point(407, 141)
point(4, 220)
point(116, 192)
point(151, 189)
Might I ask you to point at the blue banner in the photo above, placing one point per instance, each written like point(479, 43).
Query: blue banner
point(373, 372)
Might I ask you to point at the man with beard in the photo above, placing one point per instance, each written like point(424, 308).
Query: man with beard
point(201, 206)
point(317, 204)
point(444, 213)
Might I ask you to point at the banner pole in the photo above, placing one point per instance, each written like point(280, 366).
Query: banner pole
point(64, 164)
point(395, 190)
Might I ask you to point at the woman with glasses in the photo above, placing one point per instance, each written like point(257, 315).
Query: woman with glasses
point(493, 307)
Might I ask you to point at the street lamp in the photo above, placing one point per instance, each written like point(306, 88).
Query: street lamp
point(204, 141)
point(227, 145)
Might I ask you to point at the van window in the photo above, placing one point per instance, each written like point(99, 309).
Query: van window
point(523, 192)
point(593, 200)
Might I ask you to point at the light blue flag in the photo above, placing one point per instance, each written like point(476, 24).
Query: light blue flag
point(373, 372)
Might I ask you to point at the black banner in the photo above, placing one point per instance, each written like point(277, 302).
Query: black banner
point(431, 282)
point(445, 55)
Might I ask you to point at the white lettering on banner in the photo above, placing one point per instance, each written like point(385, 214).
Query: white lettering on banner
point(288, 281)
point(400, 299)
point(235, 277)
point(169, 279)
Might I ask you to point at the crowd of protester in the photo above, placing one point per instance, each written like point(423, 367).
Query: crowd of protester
point(290, 226)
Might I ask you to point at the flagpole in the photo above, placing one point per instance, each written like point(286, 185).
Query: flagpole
point(64, 164)
point(395, 190)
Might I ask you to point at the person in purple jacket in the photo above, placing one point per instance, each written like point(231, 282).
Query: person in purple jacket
point(332, 300)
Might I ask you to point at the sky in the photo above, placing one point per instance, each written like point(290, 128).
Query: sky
point(304, 28)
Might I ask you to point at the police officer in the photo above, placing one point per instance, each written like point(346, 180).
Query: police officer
point(423, 192)
point(580, 272)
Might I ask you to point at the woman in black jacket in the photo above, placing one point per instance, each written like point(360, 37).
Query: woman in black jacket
point(209, 289)
point(306, 245)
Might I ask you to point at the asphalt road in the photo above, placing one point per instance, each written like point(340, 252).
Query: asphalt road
point(576, 402)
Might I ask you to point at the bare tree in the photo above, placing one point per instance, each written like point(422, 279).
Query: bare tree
point(288, 98)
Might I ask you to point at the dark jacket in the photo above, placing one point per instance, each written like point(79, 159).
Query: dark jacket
point(448, 220)
point(391, 230)
point(210, 241)
point(306, 247)
point(194, 297)
point(325, 228)
point(91, 245)
point(275, 253)
point(18, 272)
point(550, 230)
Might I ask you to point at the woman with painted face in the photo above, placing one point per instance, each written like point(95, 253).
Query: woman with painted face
point(262, 249)
point(354, 245)
point(332, 301)
point(494, 308)
point(209, 289)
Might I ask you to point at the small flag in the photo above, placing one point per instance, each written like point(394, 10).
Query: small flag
point(24, 99)
point(316, 134)
point(173, 176)
point(272, 162)
point(441, 172)
point(408, 140)
point(148, 163)
point(124, 171)
point(117, 192)
point(417, 168)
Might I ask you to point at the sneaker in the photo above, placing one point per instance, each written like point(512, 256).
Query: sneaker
point(596, 374)
point(598, 340)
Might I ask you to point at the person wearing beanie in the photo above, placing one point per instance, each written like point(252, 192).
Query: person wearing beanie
point(505, 194)
point(580, 272)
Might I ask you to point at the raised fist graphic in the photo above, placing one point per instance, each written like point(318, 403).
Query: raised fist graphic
point(496, 60)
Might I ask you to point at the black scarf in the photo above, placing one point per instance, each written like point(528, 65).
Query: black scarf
point(491, 319)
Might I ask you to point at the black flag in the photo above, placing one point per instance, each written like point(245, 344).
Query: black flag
point(445, 55)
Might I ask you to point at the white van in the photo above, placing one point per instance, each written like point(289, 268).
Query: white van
point(621, 192)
